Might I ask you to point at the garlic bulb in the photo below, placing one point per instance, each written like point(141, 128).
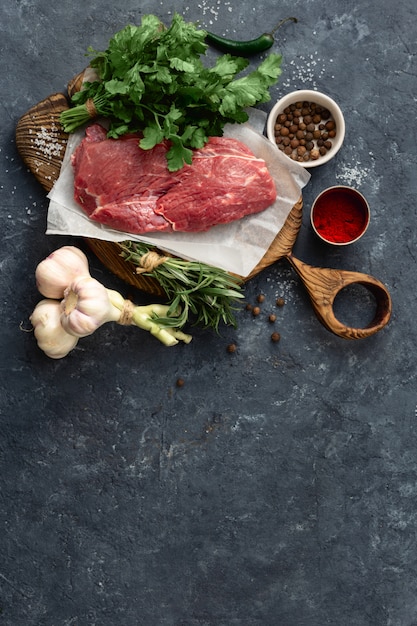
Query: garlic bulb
point(76, 305)
point(51, 337)
point(86, 306)
point(54, 274)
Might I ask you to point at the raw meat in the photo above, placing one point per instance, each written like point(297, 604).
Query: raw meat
point(130, 189)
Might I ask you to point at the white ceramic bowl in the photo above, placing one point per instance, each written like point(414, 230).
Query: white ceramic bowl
point(321, 100)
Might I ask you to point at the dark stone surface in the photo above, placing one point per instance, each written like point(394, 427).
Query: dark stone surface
point(278, 486)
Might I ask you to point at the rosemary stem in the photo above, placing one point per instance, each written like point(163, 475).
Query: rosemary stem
point(203, 290)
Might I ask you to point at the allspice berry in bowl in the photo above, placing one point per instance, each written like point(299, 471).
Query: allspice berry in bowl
point(340, 215)
point(307, 126)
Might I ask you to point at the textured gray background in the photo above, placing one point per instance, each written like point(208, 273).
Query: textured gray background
point(278, 486)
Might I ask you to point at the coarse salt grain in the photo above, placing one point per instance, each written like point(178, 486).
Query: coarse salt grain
point(48, 142)
point(306, 69)
point(352, 174)
point(214, 11)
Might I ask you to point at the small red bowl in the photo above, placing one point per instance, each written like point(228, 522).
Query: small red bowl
point(340, 215)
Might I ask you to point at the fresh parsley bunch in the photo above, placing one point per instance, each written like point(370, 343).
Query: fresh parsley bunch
point(152, 80)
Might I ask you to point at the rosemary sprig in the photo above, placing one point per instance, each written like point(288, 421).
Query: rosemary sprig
point(207, 292)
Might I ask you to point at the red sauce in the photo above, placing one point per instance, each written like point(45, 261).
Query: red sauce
point(340, 215)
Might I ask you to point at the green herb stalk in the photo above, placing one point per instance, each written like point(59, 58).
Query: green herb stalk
point(207, 292)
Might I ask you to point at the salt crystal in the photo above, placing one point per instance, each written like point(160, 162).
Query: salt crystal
point(352, 175)
point(48, 142)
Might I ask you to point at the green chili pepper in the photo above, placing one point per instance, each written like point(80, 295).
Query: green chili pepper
point(246, 48)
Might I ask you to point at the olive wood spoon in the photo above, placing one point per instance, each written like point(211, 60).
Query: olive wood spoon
point(323, 285)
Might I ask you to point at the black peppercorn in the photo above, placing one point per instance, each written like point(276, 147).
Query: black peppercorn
point(304, 124)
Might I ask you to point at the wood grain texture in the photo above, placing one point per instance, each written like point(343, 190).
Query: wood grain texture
point(323, 285)
point(41, 141)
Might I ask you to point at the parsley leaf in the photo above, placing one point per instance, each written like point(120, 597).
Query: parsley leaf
point(152, 135)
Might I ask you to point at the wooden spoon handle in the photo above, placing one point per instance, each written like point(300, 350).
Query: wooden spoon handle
point(323, 285)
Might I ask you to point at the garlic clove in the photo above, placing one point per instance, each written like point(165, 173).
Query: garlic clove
point(54, 274)
point(86, 306)
point(49, 334)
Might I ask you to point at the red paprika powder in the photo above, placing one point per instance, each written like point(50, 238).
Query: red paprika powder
point(340, 215)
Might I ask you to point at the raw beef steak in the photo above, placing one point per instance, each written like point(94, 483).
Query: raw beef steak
point(130, 189)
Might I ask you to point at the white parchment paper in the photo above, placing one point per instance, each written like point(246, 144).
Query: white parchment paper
point(236, 247)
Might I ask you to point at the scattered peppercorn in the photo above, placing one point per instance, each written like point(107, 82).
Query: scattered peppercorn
point(249, 307)
point(280, 301)
point(180, 382)
point(275, 337)
point(272, 318)
point(260, 298)
point(303, 131)
point(231, 348)
point(255, 311)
